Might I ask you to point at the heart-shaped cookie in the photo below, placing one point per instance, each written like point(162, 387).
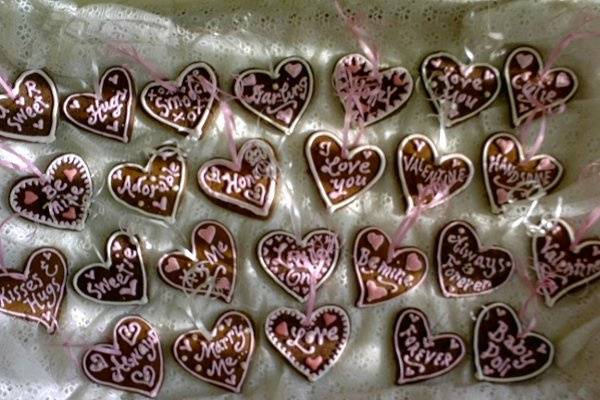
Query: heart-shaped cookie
point(121, 280)
point(61, 199)
point(222, 359)
point(420, 354)
point(213, 257)
point(380, 278)
point(458, 91)
point(342, 179)
point(369, 95)
point(503, 352)
point(246, 185)
point(284, 257)
point(154, 190)
point(507, 178)
point(112, 115)
point(133, 362)
point(528, 90)
point(313, 346)
point(466, 268)
point(419, 167)
point(33, 115)
point(279, 97)
point(37, 293)
point(563, 268)
point(187, 109)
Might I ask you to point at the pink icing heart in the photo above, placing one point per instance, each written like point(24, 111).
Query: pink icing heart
point(70, 173)
point(314, 362)
point(293, 69)
point(505, 146)
point(524, 60)
point(250, 80)
point(208, 233)
point(502, 196)
point(375, 240)
point(329, 318)
point(545, 165)
point(30, 197)
point(285, 115)
point(413, 263)
point(562, 80)
point(172, 265)
point(282, 329)
point(375, 292)
point(70, 214)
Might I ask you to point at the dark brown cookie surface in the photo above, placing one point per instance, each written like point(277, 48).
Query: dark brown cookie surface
point(466, 268)
point(279, 97)
point(154, 190)
point(133, 362)
point(503, 352)
point(121, 279)
point(246, 185)
point(186, 109)
point(32, 115)
point(340, 179)
point(211, 266)
point(459, 91)
point(222, 359)
point(61, 199)
point(113, 114)
point(37, 293)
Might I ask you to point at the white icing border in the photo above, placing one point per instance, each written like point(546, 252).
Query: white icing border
point(260, 212)
point(401, 378)
point(194, 256)
point(452, 122)
point(111, 346)
point(551, 300)
point(166, 148)
point(86, 199)
point(340, 64)
point(197, 131)
point(344, 337)
point(274, 75)
point(23, 277)
point(496, 208)
point(106, 264)
point(437, 161)
point(130, 109)
point(225, 315)
point(358, 149)
point(480, 249)
point(361, 284)
point(479, 371)
point(54, 115)
point(513, 105)
point(302, 242)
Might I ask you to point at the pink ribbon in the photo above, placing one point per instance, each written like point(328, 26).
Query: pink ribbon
point(155, 73)
point(591, 219)
point(28, 166)
point(312, 293)
point(440, 194)
point(360, 34)
point(8, 87)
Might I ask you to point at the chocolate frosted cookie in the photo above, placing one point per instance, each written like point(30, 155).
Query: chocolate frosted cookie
point(223, 359)
point(36, 294)
point(342, 178)
point(420, 167)
point(133, 362)
point(369, 95)
point(420, 354)
point(458, 91)
point(187, 108)
point(60, 199)
point(246, 185)
point(503, 352)
point(154, 190)
point(279, 97)
point(121, 280)
point(32, 115)
point(508, 177)
point(311, 346)
point(532, 90)
point(111, 111)
point(465, 267)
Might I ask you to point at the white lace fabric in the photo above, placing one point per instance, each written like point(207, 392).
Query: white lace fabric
point(67, 40)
